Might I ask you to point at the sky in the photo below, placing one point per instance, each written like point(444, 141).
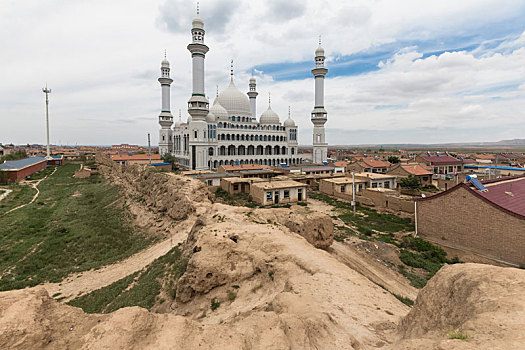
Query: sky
point(401, 71)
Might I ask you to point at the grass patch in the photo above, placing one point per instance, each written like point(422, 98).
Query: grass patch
point(138, 289)
point(60, 233)
point(21, 194)
point(42, 173)
point(405, 300)
point(231, 295)
point(455, 334)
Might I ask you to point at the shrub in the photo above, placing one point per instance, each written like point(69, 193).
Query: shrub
point(231, 295)
point(455, 334)
point(214, 304)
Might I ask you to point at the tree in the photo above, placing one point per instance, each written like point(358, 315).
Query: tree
point(14, 156)
point(169, 158)
point(409, 182)
point(393, 159)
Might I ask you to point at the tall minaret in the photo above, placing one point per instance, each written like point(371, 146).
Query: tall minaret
point(198, 105)
point(320, 147)
point(252, 94)
point(165, 117)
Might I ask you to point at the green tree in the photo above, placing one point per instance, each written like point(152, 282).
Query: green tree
point(409, 182)
point(393, 159)
point(14, 156)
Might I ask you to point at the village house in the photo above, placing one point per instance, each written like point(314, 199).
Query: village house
point(210, 178)
point(487, 218)
point(441, 163)
point(374, 180)
point(368, 165)
point(416, 170)
point(237, 185)
point(20, 169)
point(278, 192)
point(341, 187)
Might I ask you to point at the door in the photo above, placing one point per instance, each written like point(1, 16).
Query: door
point(299, 195)
point(276, 195)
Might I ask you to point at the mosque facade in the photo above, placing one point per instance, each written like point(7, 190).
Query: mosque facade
point(228, 131)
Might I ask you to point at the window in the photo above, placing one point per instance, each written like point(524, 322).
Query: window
point(360, 187)
point(196, 134)
point(163, 138)
point(387, 184)
point(425, 178)
point(286, 194)
point(235, 187)
point(343, 188)
point(450, 169)
point(459, 168)
point(374, 184)
point(268, 196)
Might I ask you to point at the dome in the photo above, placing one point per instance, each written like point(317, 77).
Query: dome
point(210, 118)
point(165, 63)
point(289, 123)
point(219, 111)
point(197, 23)
point(252, 80)
point(189, 119)
point(234, 101)
point(269, 117)
point(319, 51)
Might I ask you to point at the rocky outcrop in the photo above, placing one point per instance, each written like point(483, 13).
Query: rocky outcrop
point(484, 304)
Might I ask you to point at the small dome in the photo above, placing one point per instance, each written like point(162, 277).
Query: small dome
point(197, 23)
point(269, 117)
point(319, 51)
point(234, 101)
point(219, 111)
point(289, 123)
point(189, 119)
point(165, 63)
point(252, 80)
point(210, 118)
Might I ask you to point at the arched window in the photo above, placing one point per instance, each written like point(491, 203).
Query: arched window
point(220, 124)
point(265, 138)
point(210, 151)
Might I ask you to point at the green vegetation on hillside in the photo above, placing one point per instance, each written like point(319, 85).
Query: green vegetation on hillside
point(14, 156)
point(421, 259)
point(74, 225)
point(139, 289)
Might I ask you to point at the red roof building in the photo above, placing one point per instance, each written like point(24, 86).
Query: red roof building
point(441, 163)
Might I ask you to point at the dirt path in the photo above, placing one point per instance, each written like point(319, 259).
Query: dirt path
point(88, 281)
point(5, 193)
point(33, 184)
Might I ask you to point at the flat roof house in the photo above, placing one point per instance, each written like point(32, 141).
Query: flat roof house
point(378, 180)
point(129, 159)
point(342, 186)
point(278, 192)
point(486, 218)
point(21, 168)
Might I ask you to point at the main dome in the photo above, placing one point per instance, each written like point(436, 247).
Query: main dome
point(234, 101)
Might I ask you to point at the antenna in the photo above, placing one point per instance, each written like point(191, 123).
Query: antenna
point(319, 40)
point(47, 92)
point(269, 99)
point(231, 68)
point(217, 94)
point(164, 53)
point(198, 10)
point(288, 111)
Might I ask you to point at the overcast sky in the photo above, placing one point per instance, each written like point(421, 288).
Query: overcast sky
point(399, 71)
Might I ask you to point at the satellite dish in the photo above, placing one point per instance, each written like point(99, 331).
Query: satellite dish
point(423, 195)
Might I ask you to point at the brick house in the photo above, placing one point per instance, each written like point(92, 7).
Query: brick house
point(368, 165)
point(20, 169)
point(440, 163)
point(487, 222)
point(405, 170)
point(278, 192)
point(129, 159)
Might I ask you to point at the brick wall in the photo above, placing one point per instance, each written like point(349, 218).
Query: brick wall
point(21, 174)
point(386, 200)
point(461, 220)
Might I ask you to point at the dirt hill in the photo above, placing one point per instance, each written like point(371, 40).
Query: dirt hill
point(266, 279)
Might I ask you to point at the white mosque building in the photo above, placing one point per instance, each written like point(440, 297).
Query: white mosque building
point(228, 132)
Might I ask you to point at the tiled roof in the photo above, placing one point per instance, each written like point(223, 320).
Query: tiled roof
point(416, 170)
point(485, 156)
point(372, 163)
point(340, 164)
point(509, 194)
point(124, 157)
point(442, 159)
point(21, 163)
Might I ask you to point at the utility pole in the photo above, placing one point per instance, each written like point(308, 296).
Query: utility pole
point(47, 92)
point(149, 149)
point(353, 190)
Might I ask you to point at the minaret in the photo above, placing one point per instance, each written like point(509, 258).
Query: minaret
point(47, 92)
point(252, 94)
point(318, 117)
point(165, 117)
point(198, 105)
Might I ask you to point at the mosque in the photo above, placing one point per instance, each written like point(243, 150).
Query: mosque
point(228, 132)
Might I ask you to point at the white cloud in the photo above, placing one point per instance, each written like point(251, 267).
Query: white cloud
point(101, 58)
